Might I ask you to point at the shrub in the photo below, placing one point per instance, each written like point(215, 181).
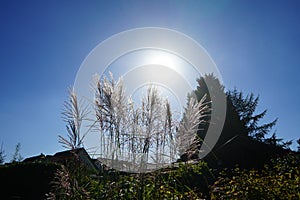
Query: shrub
point(278, 180)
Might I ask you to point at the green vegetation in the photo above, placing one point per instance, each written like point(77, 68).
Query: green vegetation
point(70, 181)
point(186, 181)
point(246, 162)
point(271, 175)
point(278, 180)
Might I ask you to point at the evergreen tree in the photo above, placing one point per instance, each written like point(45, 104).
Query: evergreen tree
point(273, 140)
point(246, 106)
point(243, 135)
point(17, 156)
point(207, 84)
point(2, 155)
point(241, 117)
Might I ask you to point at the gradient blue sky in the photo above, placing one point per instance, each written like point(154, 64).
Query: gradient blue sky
point(256, 46)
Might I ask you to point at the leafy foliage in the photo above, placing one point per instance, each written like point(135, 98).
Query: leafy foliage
point(187, 181)
point(278, 180)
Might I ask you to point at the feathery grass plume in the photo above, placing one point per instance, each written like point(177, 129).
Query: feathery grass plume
point(74, 114)
point(152, 126)
point(133, 136)
point(67, 185)
point(193, 117)
point(131, 133)
point(111, 106)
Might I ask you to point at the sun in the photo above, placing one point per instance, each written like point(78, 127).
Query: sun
point(151, 66)
point(159, 57)
point(167, 71)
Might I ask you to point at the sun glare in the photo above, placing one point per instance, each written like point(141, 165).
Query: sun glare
point(136, 59)
point(158, 67)
point(161, 58)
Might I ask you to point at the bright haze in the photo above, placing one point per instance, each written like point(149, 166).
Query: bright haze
point(255, 45)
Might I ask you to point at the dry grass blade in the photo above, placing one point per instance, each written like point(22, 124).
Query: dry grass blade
point(74, 114)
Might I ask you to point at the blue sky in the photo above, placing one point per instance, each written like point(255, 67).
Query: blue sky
point(256, 46)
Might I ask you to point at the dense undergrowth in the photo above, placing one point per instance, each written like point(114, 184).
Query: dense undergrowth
point(278, 180)
point(186, 181)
